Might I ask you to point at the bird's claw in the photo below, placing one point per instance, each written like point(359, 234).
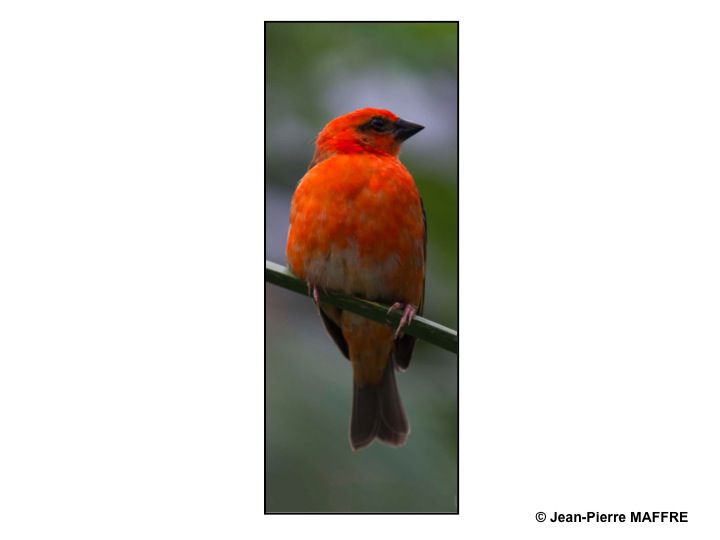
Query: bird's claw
point(409, 312)
point(312, 291)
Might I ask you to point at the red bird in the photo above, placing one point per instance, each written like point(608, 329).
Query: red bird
point(357, 225)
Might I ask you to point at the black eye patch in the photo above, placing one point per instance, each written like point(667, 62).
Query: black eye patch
point(377, 123)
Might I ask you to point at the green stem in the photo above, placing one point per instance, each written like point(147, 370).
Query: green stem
point(420, 327)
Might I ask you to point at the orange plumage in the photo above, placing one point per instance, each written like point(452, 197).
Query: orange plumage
point(357, 226)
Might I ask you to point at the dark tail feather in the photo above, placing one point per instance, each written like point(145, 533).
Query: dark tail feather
point(378, 412)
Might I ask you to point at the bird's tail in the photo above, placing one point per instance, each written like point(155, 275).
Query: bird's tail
point(378, 412)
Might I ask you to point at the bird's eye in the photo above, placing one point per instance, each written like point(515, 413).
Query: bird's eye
point(378, 123)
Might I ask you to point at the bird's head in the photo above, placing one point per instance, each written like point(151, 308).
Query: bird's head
point(375, 131)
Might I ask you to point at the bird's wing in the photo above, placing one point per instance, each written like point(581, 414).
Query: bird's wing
point(331, 319)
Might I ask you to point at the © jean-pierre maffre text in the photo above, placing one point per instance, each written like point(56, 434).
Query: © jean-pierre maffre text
point(635, 517)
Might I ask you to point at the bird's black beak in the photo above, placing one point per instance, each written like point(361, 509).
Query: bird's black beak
point(404, 130)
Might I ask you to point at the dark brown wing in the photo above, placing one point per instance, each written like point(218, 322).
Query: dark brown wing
point(331, 317)
point(405, 345)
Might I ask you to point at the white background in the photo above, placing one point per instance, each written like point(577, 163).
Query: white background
point(131, 277)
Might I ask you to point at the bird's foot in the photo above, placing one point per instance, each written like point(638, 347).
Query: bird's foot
point(313, 291)
point(409, 312)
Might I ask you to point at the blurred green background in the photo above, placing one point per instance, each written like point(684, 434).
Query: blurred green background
point(315, 72)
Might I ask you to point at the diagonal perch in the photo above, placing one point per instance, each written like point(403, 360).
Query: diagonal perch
point(421, 328)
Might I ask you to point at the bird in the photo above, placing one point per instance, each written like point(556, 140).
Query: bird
point(358, 226)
